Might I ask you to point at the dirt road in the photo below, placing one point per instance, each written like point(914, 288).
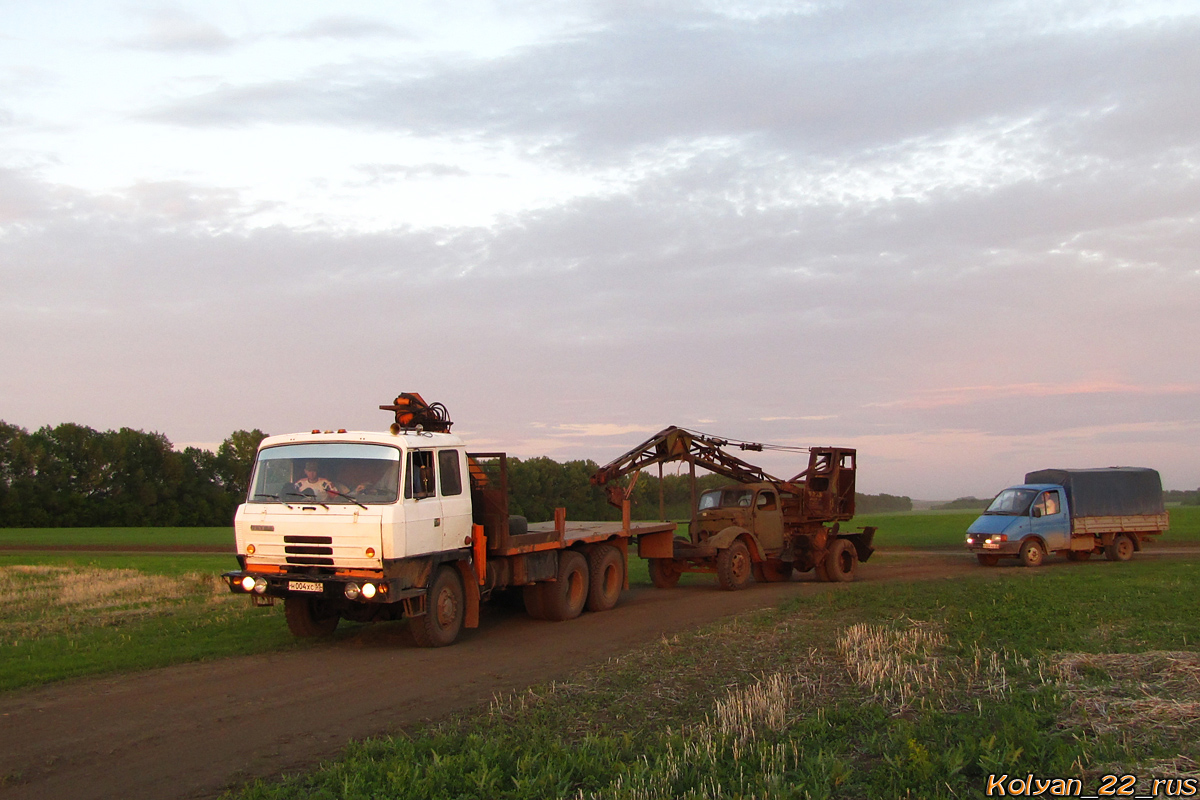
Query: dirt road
point(194, 730)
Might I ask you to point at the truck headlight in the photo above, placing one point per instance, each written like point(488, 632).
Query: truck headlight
point(260, 585)
point(352, 591)
point(368, 590)
point(248, 583)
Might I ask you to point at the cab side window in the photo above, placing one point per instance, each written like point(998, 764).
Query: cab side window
point(1052, 505)
point(766, 501)
point(448, 473)
point(419, 481)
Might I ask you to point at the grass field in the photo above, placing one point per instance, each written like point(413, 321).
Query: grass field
point(865, 690)
point(140, 537)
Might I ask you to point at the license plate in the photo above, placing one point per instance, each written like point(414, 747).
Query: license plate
point(991, 546)
point(305, 586)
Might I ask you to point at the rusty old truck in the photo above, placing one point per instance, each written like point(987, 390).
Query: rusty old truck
point(761, 527)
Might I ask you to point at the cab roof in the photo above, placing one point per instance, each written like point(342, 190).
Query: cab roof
point(403, 439)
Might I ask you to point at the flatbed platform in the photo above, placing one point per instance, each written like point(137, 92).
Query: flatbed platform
point(552, 536)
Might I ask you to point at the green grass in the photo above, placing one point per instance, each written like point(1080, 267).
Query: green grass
point(861, 690)
point(140, 537)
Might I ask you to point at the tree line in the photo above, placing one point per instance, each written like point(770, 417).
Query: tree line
point(74, 476)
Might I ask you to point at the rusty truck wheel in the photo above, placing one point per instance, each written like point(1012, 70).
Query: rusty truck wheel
point(1079, 555)
point(444, 605)
point(987, 559)
point(307, 617)
point(606, 577)
point(1032, 553)
point(564, 598)
point(841, 561)
point(734, 566)
point(1121, 549)
point(663, 573)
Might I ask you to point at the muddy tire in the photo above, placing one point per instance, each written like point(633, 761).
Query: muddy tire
point(734, 566)
point(1079, 555)
point(663, 573)
point(565, 598)
point(444, 608)
point(1032, 554)
point(306, 618)
point(1121, 549)
point(987, 559)
point(532, 595)
point(606, 577)
point(841, 561)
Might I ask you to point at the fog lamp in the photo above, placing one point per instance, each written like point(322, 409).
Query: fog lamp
point(368, 590)
point(248, 583)
point(249, 549)
point(352, 591)
point(260, 585)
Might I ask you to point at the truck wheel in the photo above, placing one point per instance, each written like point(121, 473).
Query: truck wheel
point(1079, 555)
point(534, 606)
point(774, 571)
point(306, 617)
point(606, 577)
point(663, 573)
point(841, 561)
point(443, 617)
point(987, 559)
point(1121, 549)
point(733, 566)
point(565, 598)
point(1032, 553)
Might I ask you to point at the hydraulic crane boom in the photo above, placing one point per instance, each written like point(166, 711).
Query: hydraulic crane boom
point(677, 444)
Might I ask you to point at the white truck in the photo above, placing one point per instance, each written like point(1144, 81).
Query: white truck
point(371, 526)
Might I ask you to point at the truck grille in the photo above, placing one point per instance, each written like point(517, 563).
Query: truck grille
point(305, 549)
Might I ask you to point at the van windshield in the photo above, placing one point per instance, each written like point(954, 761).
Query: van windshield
point(1012, 502)
point(326, 472)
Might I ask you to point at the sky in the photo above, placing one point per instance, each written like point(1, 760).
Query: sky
point(961, 238)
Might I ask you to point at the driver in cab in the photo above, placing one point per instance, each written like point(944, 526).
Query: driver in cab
point(312, 483)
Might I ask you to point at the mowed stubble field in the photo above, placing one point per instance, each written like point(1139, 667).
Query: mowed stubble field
point(892, 672)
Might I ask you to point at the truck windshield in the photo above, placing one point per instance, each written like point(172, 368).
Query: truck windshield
point(726, 498)
point(1012, 502)
point(326, 473)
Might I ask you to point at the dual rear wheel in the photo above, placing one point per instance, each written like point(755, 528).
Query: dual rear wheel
point(593, 582)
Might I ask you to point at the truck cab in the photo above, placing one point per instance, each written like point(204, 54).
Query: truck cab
point(1027, 521)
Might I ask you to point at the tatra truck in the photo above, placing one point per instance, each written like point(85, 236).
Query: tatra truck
point(407, 524)
point(1075, 512)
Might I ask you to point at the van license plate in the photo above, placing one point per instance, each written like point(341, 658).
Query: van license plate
point(305, 586)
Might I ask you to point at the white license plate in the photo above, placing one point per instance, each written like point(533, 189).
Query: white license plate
point(991, 546)
point(305, 586)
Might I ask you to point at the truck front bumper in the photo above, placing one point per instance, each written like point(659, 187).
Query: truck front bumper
point(992, 544)
point(352, 588)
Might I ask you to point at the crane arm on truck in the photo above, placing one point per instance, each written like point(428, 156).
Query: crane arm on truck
point(677, 444)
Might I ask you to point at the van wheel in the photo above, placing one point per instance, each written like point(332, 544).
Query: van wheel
point(606, 577)
point(663, 573)
point(307, 617)
point(841, 561)
point(1079, 555)
point(734, 566)
point(565, 598)
point(987, 559)
point(1121, 549)
point(1032, 553)
point(443, 617)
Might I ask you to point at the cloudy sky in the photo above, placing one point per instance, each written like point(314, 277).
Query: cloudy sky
point(960, 237)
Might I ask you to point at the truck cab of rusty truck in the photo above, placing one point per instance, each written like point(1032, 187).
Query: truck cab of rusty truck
point(754, 508)
point(1020, 520)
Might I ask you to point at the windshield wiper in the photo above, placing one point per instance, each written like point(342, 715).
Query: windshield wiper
point(274, 497)
point(308, 498)
point(349, 497)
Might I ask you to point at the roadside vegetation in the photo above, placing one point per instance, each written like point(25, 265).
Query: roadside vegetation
point(863, 690)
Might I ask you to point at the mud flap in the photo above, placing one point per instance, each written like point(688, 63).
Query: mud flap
point(470, 594)
point(862, 542)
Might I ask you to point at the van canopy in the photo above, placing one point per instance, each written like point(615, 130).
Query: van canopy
point(1111, 491)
